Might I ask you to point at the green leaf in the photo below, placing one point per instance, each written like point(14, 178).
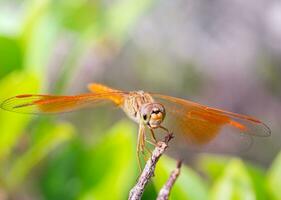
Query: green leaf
point(274, 178)
point(188, 186)
point(149, 192)
point(62, 171)
point(35, 10)
point(38, 50)
point(258, 177)
point(52, 137)
point(78, 16)
point(89, 171)
point(234, 184)
point(38, 34)
point(13, 124)
point(212, 165)
point(111, 165)
point(11, 55)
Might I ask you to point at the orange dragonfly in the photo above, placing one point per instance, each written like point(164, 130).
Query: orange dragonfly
point(193, 123)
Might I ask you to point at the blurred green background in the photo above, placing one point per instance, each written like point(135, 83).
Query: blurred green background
point(221, 53)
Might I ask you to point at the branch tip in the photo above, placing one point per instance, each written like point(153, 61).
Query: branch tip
point(166, 189)
point(168, 137)
point(179, 164)
point(148, 171)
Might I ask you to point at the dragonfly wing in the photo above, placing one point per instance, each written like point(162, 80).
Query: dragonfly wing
point(201, 125)
point(36, 104)
point(100, 88)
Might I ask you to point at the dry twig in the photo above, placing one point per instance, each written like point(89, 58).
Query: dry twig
point(166, 189)
point(148, 171)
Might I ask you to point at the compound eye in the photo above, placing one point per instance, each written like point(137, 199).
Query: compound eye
point(144, 117)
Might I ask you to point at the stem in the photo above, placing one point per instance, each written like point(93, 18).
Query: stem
point(148, 171)
point(166, 189)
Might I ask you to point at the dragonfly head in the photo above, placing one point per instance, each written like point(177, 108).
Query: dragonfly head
point(153, 114)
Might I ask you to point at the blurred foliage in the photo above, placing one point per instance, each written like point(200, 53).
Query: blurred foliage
point(93, 170)
point(10, 55)
point(46, 158)
point(273, 179)
point(189, 184)
point(234, 183)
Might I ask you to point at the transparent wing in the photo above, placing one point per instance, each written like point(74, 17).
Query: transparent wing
point(37, 104)
point(209, 128)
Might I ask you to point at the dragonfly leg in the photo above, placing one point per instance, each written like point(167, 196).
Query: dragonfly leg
point(142, 142)
point(149, 151)
point(153, 136)
point(139, 146)
point(138, 157)
point(144, 147)
point(165, 129)
point(151, 142)
point(168, 133)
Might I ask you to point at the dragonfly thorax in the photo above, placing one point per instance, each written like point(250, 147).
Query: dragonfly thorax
point(141, 107)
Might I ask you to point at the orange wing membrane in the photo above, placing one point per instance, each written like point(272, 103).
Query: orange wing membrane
point(201, 124)
point(116, 96)
point(36, 104)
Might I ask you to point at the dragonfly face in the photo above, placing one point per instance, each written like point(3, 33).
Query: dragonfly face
point(152, 114)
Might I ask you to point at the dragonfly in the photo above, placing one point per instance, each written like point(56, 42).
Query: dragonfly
point(193, 123)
